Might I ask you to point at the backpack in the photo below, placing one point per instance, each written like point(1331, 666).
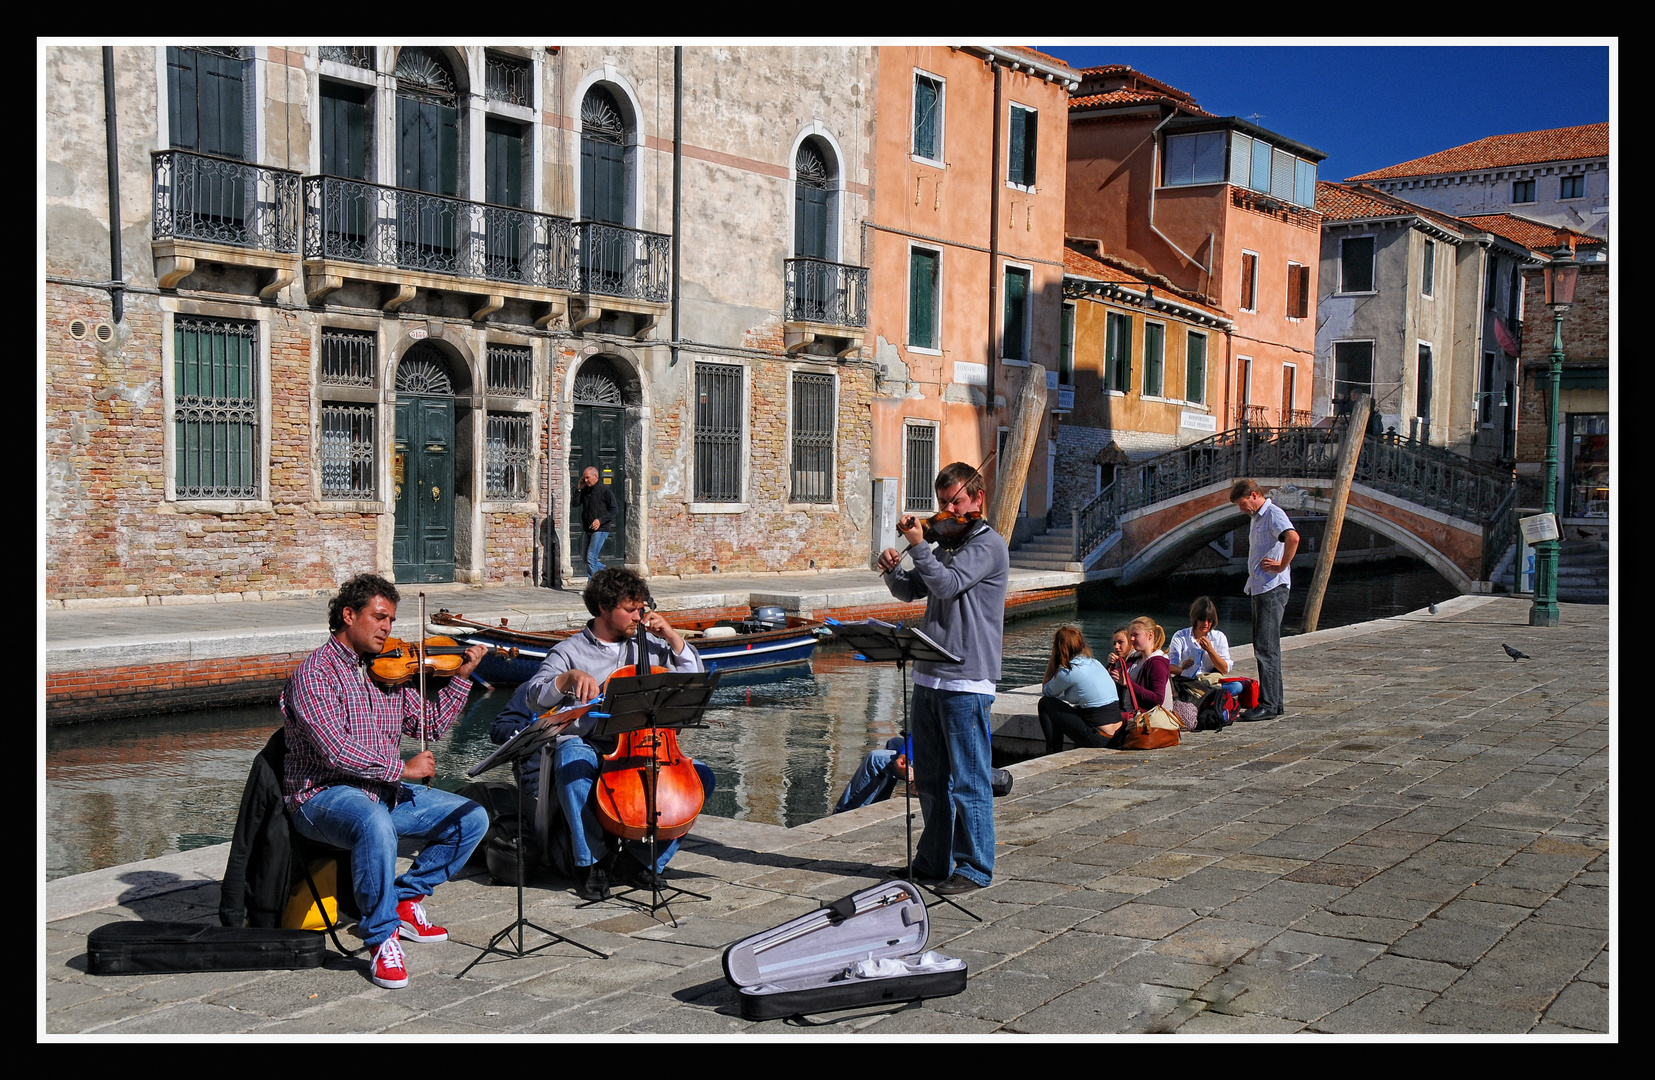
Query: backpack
point(1217, 710)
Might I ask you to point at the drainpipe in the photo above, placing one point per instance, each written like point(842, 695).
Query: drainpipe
point(1154, 180)
point(994, 313)
point(115, 299)
point(677, 183)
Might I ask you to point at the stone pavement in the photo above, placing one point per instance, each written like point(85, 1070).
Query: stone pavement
point(1420, 846)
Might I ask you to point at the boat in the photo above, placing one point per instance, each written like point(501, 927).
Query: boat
point(768, 639)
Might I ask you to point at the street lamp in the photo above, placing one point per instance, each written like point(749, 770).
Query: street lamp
point(1560, 274)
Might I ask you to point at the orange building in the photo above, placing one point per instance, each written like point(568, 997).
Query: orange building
point(1221, 208)
point(964, 247)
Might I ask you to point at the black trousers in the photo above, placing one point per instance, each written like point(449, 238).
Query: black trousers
point(1059, 718)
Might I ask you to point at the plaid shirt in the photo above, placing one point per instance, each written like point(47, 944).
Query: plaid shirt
point(343, 729)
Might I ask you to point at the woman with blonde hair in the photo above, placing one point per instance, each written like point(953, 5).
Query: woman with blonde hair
point(1078, 699)
point(1146, 666)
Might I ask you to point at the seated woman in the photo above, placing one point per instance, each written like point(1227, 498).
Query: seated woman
point(1146, 666)
point(1201, 650)
point(1079, 699)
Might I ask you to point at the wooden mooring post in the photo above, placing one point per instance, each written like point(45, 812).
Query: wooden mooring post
point(1349, 448)
point(1012, 469)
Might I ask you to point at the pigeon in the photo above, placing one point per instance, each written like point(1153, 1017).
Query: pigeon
point(1433, 609)
point(1513, 653)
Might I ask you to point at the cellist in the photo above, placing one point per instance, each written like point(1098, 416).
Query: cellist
point(573, 672)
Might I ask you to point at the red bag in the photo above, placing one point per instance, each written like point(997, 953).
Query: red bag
point(1247, 698)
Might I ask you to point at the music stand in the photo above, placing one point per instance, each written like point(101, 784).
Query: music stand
point(517, 750)
point(673, 700)
point(879, 642)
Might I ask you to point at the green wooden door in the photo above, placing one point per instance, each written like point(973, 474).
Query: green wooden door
point(423, 474)
point(598, 440)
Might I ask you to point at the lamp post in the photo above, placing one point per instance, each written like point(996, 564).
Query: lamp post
point(1560, 275)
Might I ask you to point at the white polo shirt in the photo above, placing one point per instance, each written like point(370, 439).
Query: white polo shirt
point(1264, 541)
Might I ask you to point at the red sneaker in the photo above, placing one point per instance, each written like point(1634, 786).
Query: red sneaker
point(415, 926)
point(390, 970)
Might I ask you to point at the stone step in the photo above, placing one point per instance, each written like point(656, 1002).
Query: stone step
point(1022, 562)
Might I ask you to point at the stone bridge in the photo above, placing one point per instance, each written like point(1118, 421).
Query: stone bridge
point(1454, 513)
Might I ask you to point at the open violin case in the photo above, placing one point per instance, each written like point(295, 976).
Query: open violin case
point(867, 948)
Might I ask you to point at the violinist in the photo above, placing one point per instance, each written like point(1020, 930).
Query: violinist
point(963, 584)
point(572, 673)
point(344, 778)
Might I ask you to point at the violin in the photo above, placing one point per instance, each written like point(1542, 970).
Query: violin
point(400, 660)
point(647, 779)
point(948, 529)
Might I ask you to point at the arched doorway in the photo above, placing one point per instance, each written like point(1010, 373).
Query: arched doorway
point(423, 467)
point(598, 439)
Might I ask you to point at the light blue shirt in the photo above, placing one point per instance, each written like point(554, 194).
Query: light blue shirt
point(1264, 542)
point(1085, 684)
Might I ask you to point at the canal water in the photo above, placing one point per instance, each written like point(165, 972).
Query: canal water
point(783, 744)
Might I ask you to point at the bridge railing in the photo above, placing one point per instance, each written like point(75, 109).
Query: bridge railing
point(1423, 475)
point(1499, 533)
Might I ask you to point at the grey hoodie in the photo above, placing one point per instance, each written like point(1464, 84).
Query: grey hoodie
point(965, 602)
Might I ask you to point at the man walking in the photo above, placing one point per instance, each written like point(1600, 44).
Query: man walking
point(597, 515)
point(1271, 544)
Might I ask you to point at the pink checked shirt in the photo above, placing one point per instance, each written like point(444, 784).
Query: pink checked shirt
point(344, 729)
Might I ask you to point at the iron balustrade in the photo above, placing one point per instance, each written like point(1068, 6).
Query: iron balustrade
point(826, 292)
point(355, 221)
point(1419, 474)
point(224, 201)
point(613, 260)
point(1250, 415)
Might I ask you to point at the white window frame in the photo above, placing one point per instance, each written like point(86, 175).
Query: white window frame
point(1534, 191)
point(1010, 113)
point(1006, 269)
point(1294, 406)
point(936, 447)
point(832, 504)
point(743, 455)
point(942, 117)
point(1373, 265)
point(1250, 303)
point(171, 310)
point(908, 297)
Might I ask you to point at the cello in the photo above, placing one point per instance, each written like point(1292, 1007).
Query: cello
point(646, 779)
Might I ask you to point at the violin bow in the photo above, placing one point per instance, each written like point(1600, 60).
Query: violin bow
point(420, 652)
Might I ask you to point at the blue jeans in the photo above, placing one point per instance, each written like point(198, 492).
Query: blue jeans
point(594, 547)
point(874, 781)
point(575, 771)
point(1268, 609)
point(952, 765)
point(345, 817)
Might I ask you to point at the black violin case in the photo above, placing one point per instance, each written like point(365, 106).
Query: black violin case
point(867, 948)
point(153, 948)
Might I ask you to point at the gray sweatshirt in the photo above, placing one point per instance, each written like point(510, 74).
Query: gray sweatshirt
point(584, 652)
point(965, 602)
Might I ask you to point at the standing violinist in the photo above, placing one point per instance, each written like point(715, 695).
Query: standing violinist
point(963, 583)
point(572, 673)
point(343, 781)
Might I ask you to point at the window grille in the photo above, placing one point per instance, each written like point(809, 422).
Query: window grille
point(920, 468)
point(348, 357)
point(813, 430)
point(422, 371)
point(600, 117)
point(718, 433)
point(348, 458)
point(508, 453)
point(423, 73)
point(510, 370)
point(215, 408)
point(361, 56)
point(508, 79)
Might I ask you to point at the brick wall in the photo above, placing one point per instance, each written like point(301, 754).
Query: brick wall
point(1585, 342)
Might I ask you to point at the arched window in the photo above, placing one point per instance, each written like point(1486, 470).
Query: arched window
point(814, 211)
point(603, 158)
point(428, 123)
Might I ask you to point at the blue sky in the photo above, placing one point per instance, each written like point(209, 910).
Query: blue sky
point(1368, 106)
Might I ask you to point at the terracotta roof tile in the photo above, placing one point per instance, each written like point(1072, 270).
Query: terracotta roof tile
point(1534, 235)
point(1084, 266)
point(1044, 58)
point(1501, 151)
point(1354, 202)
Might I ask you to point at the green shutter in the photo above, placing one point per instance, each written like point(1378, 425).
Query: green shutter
point(922, 298)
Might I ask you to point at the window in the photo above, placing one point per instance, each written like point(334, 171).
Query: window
point(1249, 281)
point(1356, 264)
point(928, 102)
point(1571, 187)
point(1352, 368)
point(1241, 159)
point(508, 78)
point(507, 454)
point(1588, 468)
point(1023, 138)
point(215, 408)
point(1485, 392)
point(1195, 159)
point(1278, 173)
point(1195, 368)
point(813, 428)
point(510, 370)
point(347, 444)
point(345, 130)
point(814, 214)
point(1422, 383)
point(1289, 385)
point(922, 297)
point(1298, 291)
point(718, 432)
point(919, 467)
point(1493, 282)
point(1428, 274)
point(1155, 348)
point(1117, 352)
point(1522, 191)
point(1304, 182)
point(348, 358)
point(205, 100)
point(1014, 332)
point(1066, 348)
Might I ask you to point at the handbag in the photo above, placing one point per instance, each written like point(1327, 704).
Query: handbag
point(1150, 729)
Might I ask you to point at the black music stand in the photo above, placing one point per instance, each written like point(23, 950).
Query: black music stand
point(516, 750)
point(879, 642)
point(673, 700)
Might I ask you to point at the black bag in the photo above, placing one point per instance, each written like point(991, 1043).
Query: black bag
point(864, 949)
point(134, 948)
point(1217, 710)
point(505, 813)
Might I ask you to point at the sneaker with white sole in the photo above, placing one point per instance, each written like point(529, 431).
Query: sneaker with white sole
point(390, 969)
point(415, 926)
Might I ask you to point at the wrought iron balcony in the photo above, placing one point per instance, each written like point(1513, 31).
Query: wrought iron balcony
point(1300, 418)
point(612, 260)
point(1251, 415)
point(217, 200)
point(355, 221)
point(826, 292)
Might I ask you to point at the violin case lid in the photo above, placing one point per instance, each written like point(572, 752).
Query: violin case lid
point(867, 948)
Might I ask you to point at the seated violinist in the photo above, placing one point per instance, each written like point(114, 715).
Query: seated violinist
point(573, 673)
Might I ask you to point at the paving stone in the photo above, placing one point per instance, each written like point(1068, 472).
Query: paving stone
point(1147, 920)
point(1406, 971)
point(191, 1016)
point(1102, 1007)
point(1448, 942)
point(1530, 966)
point(930, 1018)
point(1456, 1015)
point(369, 1011)
point(1215, 941)
point(1298, 951)
point(1387, 1010)
point(1575, 906)
point(1581, 1005)
point(1207, 1022)
point(1277, 990)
